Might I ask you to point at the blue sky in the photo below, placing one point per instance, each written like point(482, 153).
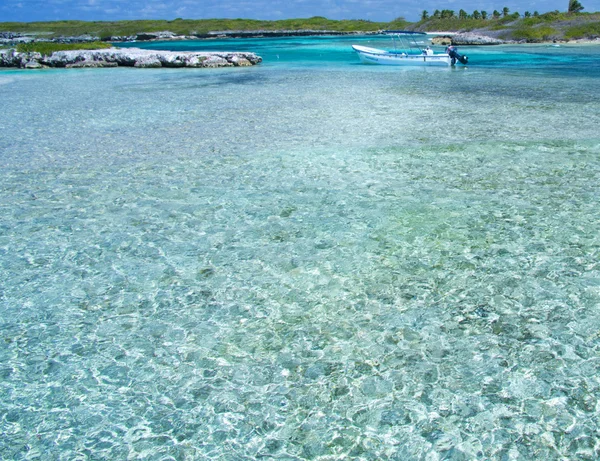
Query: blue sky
point(374, 10)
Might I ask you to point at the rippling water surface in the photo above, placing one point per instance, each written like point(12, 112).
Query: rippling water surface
point(306, 259)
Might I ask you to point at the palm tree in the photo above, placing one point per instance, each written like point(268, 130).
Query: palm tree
point(575, 6)
point(505, 11)
point(424, 15)
point(483, 14)
point(476, 14)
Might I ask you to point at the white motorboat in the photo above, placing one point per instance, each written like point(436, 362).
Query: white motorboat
point(409, 53)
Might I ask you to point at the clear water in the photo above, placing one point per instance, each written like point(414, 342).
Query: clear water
point(306, 259)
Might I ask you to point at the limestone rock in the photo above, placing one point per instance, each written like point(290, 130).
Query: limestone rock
point(7, 58)
point(90, 64)
point(148, 62)
point(216, 61)
point(239, 61)
point(443, 40)
point(33, 64)
point(85, 38)
point(172, 59)
point(163, 35)
point(120, 38)
point(474, 39)
point(130, 57)
point(195, 61)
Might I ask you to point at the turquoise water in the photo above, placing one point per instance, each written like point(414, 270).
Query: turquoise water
point(306, 259)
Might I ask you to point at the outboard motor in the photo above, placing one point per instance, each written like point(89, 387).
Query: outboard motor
point(451, 50)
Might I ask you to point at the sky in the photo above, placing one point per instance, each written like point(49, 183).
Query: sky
point(373, 10)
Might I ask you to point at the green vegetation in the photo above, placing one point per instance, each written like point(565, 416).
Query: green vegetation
point(47, 48)
point(452, 23)
point(534, 34)
point(582, 31)
point(551, 16)
point(105, 29)
point(575, 6)
point(511, 26)
point(464, 21)
point(531, 26)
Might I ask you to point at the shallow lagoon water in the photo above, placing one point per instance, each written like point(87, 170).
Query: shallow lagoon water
point(307, 259)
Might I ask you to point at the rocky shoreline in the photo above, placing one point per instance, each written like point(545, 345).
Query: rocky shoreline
point(456, 38)
point(474, 39)
point(14, 38)
point(465, 39)
point(127, 57)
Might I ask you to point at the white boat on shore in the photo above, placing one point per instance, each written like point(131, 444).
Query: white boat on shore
point(410, 53)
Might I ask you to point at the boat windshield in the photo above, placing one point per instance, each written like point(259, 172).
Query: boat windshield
point(406, 41)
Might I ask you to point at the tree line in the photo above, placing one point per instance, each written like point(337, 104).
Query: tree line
point(574, 7)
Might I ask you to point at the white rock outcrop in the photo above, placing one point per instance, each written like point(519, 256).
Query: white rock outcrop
point(468, 38)
point(130, 57)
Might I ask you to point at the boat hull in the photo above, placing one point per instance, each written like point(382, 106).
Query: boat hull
point(382, 57)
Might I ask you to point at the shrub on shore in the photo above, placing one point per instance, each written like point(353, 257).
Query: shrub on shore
point(583, 31)
point(47, 48)
point(106, 29)
point(535, 34)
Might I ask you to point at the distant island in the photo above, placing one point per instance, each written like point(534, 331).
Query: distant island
point(501, 25)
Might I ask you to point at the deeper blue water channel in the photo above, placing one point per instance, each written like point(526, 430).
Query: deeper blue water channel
point(305, 259)
point(309, 51)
